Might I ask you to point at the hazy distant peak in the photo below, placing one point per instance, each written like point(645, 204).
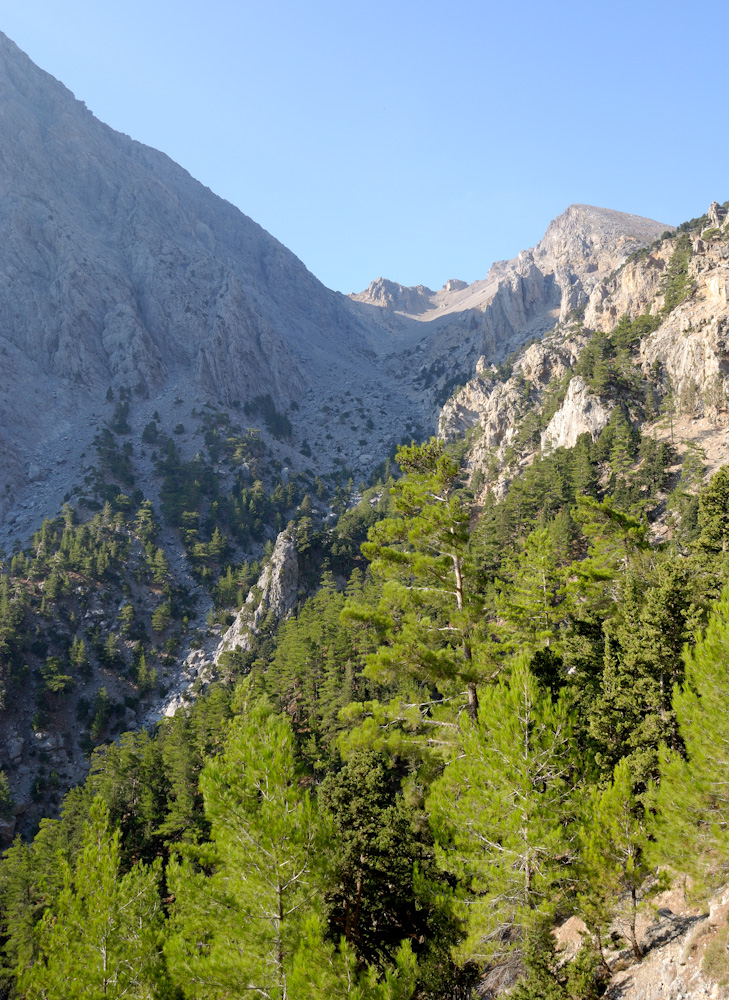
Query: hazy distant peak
point(399, 298)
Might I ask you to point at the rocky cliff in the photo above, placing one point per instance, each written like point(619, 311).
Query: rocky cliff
point(693, 342)
point(687, 355)
point(582, 412)
point(272, 599)
point(448, 330)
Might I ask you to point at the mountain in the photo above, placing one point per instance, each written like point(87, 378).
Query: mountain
point(120, 271)
point(519, 298)
point(159, 346)
point(677, 293)
point(188, 407)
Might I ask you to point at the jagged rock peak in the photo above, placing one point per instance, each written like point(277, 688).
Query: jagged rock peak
point(718, 216)
point(399, 298)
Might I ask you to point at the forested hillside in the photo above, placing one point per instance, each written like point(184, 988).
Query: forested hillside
point(509, 718)
point(499, 704)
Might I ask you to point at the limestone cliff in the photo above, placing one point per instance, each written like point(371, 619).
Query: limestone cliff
point(275, 593)
point(582, 412)
point(693, 342)
point(448, 330)
point(635, 289)
point(687, 356)
point(494, 408)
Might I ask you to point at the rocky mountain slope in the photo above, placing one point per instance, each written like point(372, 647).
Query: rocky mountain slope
point(519, 299)
point(132, 297)
point(120, 271)
point(135, 303)
point(683, 345)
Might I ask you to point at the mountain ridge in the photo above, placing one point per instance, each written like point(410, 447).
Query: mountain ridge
point(121, 272)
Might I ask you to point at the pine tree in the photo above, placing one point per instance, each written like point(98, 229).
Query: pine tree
point(160, 569)
point(613, 861)
point(584, 467)
point(530, 603)
point(382, 882)
point(126, 619)
point(146, 675)
point(238, 930)
point(501, 813)
point(643, 663)
point(692, 806)
point(668, 404)
point(623, 447)
point(427, 613)
point(714, 512)
point(161, 617)
point(128, 775)
point(101, 936)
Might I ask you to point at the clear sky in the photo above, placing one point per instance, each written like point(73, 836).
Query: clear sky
point(420, 141)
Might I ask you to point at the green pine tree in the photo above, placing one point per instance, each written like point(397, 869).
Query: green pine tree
point(102, 935)
point(501, 813)
point(241, 906)
point(531, 602)
point(613, 861)
point(429, 606)
point(692, 804)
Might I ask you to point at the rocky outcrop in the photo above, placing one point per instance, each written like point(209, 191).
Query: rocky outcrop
point(275, 593)
point(691, 347)
point(586, 243)
point(718, 216)
point(692, 344)
point(581, 412)
point(494, 408)
point(636, 289)
point(411, 300)
point(519, 299)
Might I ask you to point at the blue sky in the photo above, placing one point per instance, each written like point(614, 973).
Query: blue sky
point(417, 141)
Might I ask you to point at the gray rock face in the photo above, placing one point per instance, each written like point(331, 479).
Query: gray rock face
point(581, 412)
point(495, 408)
point(119, 269)
point(636, 289)
point(693, 342)
point(519, 299)
point(275, 593)
point(718, 215)
point(399, 298)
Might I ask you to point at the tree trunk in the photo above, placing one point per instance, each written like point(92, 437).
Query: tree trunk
point(472, 701)
point(637, 951)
